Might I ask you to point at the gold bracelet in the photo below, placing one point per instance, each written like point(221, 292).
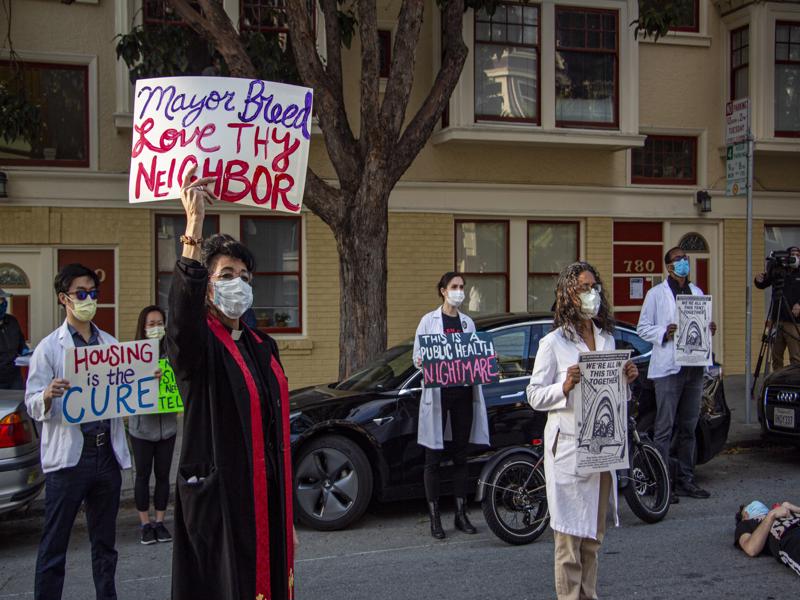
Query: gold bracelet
point(190, 241)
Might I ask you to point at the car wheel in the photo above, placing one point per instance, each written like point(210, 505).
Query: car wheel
point(332, 483)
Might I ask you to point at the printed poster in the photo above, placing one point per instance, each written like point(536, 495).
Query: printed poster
point(693, 336)
point(601, 412)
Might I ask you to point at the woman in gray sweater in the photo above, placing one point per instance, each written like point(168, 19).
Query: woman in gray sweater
point(152, 442)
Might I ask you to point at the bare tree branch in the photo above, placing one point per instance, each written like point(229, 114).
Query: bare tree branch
point(330, 109)
point(401, 77)
point(371, 129)
point(215, 25)
point(323, 200)
point(421, 126)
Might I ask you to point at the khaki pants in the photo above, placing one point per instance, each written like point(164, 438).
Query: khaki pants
point(785, 337)
point(576, 557)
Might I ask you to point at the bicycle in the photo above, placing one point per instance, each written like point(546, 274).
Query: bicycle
point(515, 507)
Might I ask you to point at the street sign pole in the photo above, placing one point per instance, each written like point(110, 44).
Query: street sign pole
point(748, 323)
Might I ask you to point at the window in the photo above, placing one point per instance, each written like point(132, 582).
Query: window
point(665, 160)
point(627, 340)
point(740, 62)
point(275, 243)
point(384, 52)
point(587, 66)
point(160, 19)
point(551, 247)
point(267, 15)
point(169, 229)
point(57, 100)
point(507, 63)
point(687, 13)
point(787, 79)
point(511, 345)
point(482, 256)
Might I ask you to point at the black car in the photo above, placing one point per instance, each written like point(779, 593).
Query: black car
point(779, 405)
point(356, 440)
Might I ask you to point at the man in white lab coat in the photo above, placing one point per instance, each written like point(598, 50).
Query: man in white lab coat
point(679, 390)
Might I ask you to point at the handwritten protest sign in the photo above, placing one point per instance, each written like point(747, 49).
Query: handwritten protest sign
point(169, 398)
point(601, 412)
point(114, 380)
point(693, 336)
point(252, 135)
point(458, 359)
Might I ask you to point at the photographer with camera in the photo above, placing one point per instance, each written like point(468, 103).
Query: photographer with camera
point(783, 274)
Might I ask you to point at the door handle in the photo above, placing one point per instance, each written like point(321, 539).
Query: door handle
point(514, 395)
point(382, 420)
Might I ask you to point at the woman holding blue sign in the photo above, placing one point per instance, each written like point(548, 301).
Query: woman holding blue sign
point(578, 503)
point(454, 414)
point(153, 442)
point(233, 506)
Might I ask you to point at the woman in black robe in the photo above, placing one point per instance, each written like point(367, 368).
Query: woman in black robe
point(233, 512)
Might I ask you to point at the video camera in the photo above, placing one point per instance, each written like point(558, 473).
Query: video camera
point(781, 259)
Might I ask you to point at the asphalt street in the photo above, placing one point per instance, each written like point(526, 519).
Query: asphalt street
point(389, 554)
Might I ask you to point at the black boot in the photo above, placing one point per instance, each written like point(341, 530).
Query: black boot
point(436, 520)
point(462, 521)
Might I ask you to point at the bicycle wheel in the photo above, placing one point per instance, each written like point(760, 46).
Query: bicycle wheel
point(515, 504)
point(647, 492)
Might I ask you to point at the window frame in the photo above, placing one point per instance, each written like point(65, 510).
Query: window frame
point(467, 274)
point(530, 273)
point(299, 273)
point(778, 22)
point(731, 69)
point(275, 29)
point(87, 129)
point(537, 120)
point(696, 27)
point(589, 124)
point(156, 217)
point(642, 180)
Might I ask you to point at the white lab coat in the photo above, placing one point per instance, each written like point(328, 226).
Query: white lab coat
point(62, 443)
point(572, 499)
point(658, 311)
point(430, 432)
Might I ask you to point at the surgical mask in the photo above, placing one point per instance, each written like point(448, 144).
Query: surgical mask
point(756, 509)
point(233, 297)
point(155, 333)
point(590, 303)
point(682, 267)
point(455, 298)
point(84, 310)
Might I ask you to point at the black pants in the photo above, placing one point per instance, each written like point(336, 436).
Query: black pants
point(460, 410)
point(95, 480)
point(147, 457)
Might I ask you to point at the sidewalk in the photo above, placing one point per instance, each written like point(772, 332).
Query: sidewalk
point(741, 434)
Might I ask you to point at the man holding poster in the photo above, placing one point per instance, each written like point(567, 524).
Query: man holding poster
point(81, 462)
point(679, 389)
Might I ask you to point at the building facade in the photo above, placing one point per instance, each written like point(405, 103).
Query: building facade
point(566, 138)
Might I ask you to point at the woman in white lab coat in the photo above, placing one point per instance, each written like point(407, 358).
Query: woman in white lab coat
point(453, 414)
point(578, 503)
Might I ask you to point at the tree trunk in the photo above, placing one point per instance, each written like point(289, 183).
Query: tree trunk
point(361, 241)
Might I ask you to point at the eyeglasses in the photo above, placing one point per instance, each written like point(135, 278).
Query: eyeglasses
point(586, 287)
point(83, 294)
point(230, 276)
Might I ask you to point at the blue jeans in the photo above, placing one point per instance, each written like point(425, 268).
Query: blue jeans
point(95, 480)
point(678, 399)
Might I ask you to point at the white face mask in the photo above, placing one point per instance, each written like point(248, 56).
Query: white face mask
point(233, 297)
point(455, 298)
point(590, 303)
point(155, 333)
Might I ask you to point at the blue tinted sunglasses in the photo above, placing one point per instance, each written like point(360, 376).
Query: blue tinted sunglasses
point(83, 294)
